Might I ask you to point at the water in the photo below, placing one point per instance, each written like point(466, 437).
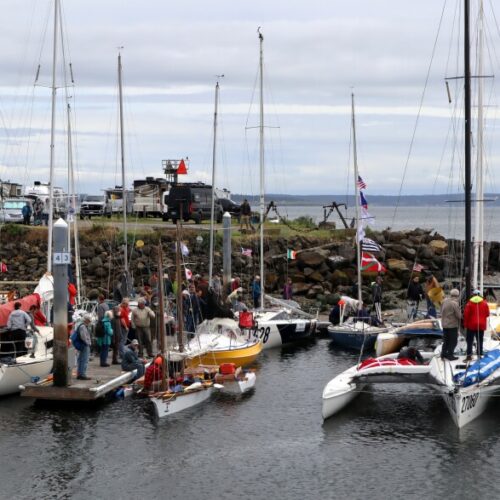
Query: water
point(447, 220)
point(398, 442)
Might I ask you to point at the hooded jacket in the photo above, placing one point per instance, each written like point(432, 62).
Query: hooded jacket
point(476, 313)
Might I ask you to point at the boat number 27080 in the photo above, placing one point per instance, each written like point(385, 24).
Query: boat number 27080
point(262, 333)
point(468, 402)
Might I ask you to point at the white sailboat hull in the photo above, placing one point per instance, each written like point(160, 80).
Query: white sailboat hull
point(167, 406)
point(26, 369)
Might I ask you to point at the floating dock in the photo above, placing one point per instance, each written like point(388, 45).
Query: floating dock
point(103, 380)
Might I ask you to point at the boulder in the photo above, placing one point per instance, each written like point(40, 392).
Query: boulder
point(311, 258)
point(300, 288)
point(340, 277)
point(317, 277)
point(439, 247)
point(86, 252)
point(33, 262)
point(397, 265)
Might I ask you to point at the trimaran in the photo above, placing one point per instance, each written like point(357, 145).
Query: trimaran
point(465, 387)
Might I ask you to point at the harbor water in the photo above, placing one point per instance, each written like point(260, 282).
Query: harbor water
point(392, 442)
point(446, 220)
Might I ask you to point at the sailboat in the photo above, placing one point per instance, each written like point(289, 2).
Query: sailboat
point(275, 326)
point(466, 388)
point(356, 333)
point(19, 370)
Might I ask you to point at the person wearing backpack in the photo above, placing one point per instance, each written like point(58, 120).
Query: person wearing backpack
point(82, 343)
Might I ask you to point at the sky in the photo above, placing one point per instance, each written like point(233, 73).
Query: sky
point(316, 53)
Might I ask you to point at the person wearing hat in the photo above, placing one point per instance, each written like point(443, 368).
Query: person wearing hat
point(84, 353)
point(256, 290)
point(131, 361)
point(476, 314)
point(414, 295)
point(141, 319)
point(450, 320)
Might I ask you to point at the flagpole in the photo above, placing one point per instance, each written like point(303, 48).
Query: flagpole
point(357, 203)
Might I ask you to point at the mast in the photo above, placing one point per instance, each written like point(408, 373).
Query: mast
point(124, 191)
point(477, 276)
point(467, 130)
point(161, 313)
point(212, 212)
point(261, 165)
point(52, 140)
point(71, 181)
point(180, 317)
point(357, 203)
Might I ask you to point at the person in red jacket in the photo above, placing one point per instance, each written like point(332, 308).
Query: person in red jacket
point(72, 293)
point(476, 314)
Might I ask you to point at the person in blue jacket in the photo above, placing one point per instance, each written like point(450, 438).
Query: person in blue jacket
point(256, 290)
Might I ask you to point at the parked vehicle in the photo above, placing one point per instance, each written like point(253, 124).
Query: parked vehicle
point(230, 206)
point(193, 201)
point(42, 190)
point(149, 197)
point(93, 206)
point(114, 201)
point(11, 209)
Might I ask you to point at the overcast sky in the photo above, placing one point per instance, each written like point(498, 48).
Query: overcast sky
point(315, 52)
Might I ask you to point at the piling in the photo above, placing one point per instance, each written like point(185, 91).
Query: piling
point(61, 257)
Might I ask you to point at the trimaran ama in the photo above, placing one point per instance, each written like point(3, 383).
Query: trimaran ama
point(465, 387)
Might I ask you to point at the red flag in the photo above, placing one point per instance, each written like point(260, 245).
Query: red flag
point(181, 169)
point(370, 264)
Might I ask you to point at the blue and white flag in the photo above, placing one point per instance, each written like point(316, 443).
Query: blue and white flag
point(368, 245)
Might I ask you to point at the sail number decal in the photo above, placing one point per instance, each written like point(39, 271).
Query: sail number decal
point(468, 402)
point(262, 333)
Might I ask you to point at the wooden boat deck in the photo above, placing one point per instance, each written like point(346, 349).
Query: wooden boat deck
point(103, 380)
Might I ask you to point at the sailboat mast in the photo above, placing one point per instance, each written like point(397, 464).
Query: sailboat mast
point(212, 212)
point(52, 139)
point(357, 203)
point(78, 274)
point(467, 115)
point(161, 313)
point(124, 191)
point(477, 277)
point(180, 314)
point(261, 168)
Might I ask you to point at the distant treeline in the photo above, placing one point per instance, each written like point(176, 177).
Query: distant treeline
point(374, 200)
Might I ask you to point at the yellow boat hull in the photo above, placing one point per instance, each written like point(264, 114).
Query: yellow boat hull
point(239, 356)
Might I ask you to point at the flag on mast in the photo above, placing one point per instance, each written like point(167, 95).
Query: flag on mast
point(370, 264)
point(291, 254)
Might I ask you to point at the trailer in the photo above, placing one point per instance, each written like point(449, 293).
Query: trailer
point(150, 197)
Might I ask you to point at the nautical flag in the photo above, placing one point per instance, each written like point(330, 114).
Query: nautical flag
point(184, 250)
point(370, 264)
point(291, 254)
point(418, 267)
point(247, 252)
point(189, 273)
point(362, 200)
point(361, 183)
point(369, 245)
point(361, 232)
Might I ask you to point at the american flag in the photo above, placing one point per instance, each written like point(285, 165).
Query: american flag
point(362, 201)
point(361, 183)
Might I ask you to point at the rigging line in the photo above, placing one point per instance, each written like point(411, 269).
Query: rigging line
point(418, 114)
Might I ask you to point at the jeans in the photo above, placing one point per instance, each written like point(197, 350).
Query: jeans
point(83, 361)
point(103, 354)
point(476, 335)
point(450, 338)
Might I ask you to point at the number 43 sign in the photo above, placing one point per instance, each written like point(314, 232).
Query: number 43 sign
point(62, 258)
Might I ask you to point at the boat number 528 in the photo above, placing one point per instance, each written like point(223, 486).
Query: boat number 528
point(262, 333)
point(469, 402)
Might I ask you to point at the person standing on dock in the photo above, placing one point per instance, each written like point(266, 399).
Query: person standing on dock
point(105, 340)
point(26, 210)
point(141, 319)
point(450, 320)
point(116, 323)
point(126, 323)
point(84, 353)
